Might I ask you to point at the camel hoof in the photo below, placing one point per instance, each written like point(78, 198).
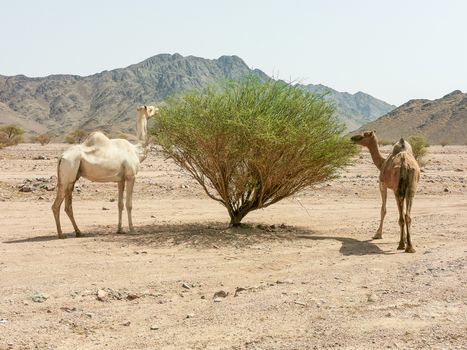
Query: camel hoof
point(79, 234)
point(61, 236)
point(378, 236)
point(409, 250)
point(120, 231)
point(401, 247)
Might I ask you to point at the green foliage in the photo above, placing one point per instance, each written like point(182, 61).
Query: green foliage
point(76, 136)
point(419, 147)
point(250, 144)
point(10, 135)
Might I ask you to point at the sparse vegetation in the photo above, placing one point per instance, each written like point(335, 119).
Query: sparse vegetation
point(251, 144)
point(10, 135)
point(43, 139)
point(76, 136)
point(419, 147)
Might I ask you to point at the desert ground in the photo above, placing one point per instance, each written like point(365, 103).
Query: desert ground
point(302, 274)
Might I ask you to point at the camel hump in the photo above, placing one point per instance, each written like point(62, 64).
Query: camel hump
point(96, 138)
point(401, 146)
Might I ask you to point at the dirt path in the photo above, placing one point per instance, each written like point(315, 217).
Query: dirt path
point(310, 276)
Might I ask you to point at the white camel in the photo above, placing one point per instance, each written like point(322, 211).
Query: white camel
point(101, 159)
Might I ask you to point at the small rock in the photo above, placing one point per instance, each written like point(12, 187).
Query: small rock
point(111, 200)
point(186, 286)
point(3, 321)
point(127, 323)
point(40, 198)
point(49, 188)
point(89, 314)
point(101, 295)
point(39, 297)
point(299, 303)
point(446, 189)
point(105, 208)
point(190, 315)
point(153, 216)
point(39, 158)
point(218, 300)
point(372, 298)
point(154, 327)
point(68, 309)
point(389, 314)
point(132, 296)
point(26, 188)
point(220, 294)
point(286, 281)
point(239, 290)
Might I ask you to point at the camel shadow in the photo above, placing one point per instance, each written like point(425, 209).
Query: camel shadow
point(46, 238)
point(351, 246)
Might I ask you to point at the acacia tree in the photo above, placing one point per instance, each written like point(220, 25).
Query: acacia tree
point(10, 134)
point(250, 144)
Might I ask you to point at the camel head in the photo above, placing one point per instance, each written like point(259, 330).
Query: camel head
point(148, 111)
point(364, 138)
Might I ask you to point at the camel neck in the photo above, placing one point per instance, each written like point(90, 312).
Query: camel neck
point(142, 136)
point(141, 128)
point(375, 155)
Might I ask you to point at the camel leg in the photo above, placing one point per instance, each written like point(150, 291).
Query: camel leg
point(400, 207)
point(56, 208)
point(69, 208)
point(384, 196)
point(121, 188)
point(129, 201)
point(408, 222)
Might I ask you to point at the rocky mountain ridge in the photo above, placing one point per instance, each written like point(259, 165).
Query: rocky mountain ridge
point(107, 100)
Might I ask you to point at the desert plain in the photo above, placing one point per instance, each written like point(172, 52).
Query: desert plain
point(302, 274)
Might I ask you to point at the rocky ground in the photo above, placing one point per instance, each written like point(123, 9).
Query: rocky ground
point(303, 274)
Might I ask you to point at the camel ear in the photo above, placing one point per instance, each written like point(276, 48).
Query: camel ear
point(372, 133)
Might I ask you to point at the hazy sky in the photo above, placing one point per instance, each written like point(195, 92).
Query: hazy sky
point(395, 50)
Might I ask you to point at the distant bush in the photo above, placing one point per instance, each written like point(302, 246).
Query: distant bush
point(43, 139)
point(419, 147)
point(10, 135)
point(76, 136)
point(444, 143)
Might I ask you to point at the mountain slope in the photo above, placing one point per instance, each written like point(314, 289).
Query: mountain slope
point(107, 100)
point(441, 120)
point(354, 109)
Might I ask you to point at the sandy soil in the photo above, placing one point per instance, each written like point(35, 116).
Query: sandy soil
point(304, 274)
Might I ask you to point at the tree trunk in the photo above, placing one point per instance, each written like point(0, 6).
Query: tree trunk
point(236, 218)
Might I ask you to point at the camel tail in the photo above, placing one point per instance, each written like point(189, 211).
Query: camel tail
point(404, 178)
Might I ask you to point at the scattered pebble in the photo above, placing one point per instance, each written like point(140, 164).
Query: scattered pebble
point(154, 327)
point(190, 315)
point(127, 323)
point(372, 298)
point(220, 294)
point(105, 208)
point(101, 295)
point(39, 297)
point(186, 286)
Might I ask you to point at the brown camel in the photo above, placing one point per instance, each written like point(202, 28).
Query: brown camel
point(399, 172)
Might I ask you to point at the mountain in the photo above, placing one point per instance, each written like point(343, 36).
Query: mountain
point(441, 121)
point(354, 109)
point(107, 100)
